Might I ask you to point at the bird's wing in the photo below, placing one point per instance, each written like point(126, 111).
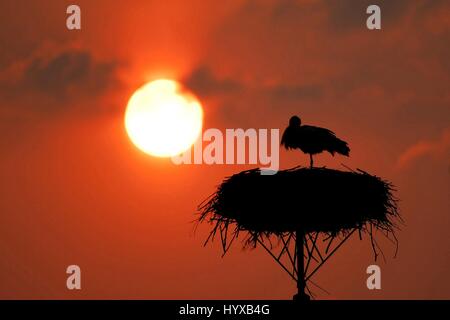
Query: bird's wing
point(326, 139)
point(318, 130)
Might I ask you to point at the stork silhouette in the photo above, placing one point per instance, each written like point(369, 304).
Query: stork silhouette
point(312, 140)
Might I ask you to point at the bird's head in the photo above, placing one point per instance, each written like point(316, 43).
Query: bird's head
point(295, 121)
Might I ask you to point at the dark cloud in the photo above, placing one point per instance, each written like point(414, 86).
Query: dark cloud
point(70, 72)
point(344, 15)
point(297, 92)
point(419, 118)
point(204, 83)
point(347, 15)
point(286, 11)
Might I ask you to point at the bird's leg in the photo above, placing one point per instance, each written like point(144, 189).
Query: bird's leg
point(311, 160)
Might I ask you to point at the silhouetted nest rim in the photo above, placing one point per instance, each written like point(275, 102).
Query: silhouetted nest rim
point(314, 200)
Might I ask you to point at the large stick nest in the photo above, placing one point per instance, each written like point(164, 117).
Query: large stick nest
point(307, 199)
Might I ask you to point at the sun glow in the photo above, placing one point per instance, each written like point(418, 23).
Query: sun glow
point(162, 119)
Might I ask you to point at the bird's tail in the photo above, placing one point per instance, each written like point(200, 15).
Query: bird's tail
point(341, 147)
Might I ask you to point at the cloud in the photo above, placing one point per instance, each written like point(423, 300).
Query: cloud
point(426, 148)
point(348, 15)
point(343, 15)
point(58, 77)
point(420, 116)
point(204, 83)
point(68, 72)
point(296, 92)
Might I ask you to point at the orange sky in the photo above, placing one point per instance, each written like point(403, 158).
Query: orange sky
point(74, 190)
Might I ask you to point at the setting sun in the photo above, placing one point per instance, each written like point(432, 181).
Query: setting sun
point(162, 119)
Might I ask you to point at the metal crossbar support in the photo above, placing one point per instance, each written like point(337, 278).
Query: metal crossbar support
point(298, 258)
